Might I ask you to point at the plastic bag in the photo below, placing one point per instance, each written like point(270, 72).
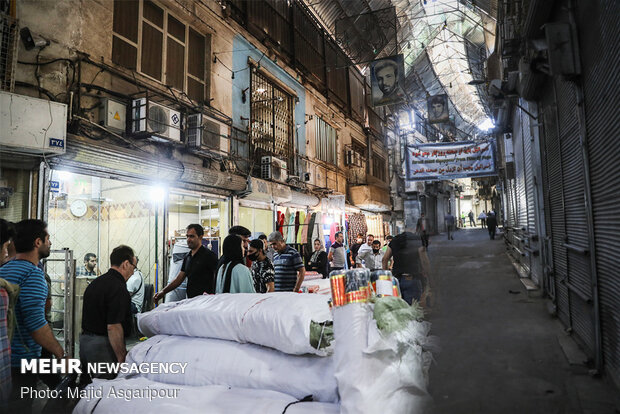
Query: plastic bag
point(278, 320)
point(218, 362)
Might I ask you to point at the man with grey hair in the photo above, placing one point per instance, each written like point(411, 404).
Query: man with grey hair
point(288, 265)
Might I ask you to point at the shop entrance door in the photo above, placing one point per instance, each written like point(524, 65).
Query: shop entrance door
point(60, 267)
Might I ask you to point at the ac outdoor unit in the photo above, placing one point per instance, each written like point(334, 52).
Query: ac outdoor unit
point(274, 169)
point(205, 133)
point(158, 120)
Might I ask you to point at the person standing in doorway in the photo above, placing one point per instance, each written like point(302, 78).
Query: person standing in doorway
point(491, 224)
point(405, 251)
point(422, 228)
point(462, 220)
point(337, 255)
point(199, 266)
point(449, 221)
point(483, 219)
point(472, 221)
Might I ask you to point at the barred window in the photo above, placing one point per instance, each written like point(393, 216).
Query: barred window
point(326, 142)
point(271, 119)
point(378, 167)
point(148, 39)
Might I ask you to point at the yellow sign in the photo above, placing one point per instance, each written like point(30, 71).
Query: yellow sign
point(117, 116)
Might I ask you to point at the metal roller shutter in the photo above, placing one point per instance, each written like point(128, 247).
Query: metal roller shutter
point(520, 193)
point(554, 200)
point(600, 31)
point(579, 275)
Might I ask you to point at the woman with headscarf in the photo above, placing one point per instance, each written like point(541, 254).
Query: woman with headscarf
point(233, 276)
point(318, 261)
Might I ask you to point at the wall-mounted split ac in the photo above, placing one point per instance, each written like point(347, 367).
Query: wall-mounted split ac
point(273, 168)
point(155, 119)
point(206, 133)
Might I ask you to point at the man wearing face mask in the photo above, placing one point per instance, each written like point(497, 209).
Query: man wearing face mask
point(373, 257)
point(263, 272)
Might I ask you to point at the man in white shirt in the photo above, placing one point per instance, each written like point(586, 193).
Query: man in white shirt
point(372, 258)
point(135, 287)
point(366, 247)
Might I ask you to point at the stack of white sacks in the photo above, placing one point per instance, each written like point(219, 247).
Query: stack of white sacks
point(255, 353)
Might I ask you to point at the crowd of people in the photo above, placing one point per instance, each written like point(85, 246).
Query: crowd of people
point(265, 264)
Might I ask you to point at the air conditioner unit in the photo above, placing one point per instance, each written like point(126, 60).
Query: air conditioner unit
point(206, 133)
point(158, 120)
point(273, 168)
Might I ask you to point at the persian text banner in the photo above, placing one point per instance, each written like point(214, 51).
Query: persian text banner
point(445, 161)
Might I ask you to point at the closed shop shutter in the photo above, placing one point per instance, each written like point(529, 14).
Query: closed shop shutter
point(554, 200)
point(520, 193)
point(578, 280)
point(600, 31)
point(529, 171)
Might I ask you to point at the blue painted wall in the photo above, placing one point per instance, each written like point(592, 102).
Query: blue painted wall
point(242, 49)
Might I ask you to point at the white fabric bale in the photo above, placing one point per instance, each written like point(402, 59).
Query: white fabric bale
point(219, 362)
point(212, 399)
point(277, 320)
point(394, 367)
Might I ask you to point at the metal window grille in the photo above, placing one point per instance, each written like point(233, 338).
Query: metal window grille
point(326, 138)
point(271, 130)
point(8, 51)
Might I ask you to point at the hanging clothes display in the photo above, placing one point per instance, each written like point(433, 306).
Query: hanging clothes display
point(285, 227)
point(290, 235)
point(305, 230)
point(280, 222)
point(357, 225)
point(307, 239)
point(302, 225)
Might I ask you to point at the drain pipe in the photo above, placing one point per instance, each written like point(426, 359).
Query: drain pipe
point(583, 138)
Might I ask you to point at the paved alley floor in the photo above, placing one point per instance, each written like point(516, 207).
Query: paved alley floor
point(500, 349)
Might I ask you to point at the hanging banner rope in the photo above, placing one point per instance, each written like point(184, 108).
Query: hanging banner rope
point(445, 161)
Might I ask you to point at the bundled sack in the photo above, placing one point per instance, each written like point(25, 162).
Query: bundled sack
point(218, 362)
point(394, 365)
point(281, 320)
point(140, 395)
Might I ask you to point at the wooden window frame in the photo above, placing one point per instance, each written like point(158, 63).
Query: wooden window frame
point(165, 37)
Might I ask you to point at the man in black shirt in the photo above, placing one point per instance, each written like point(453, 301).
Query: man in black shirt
point(199, 266)
point(106, 313)
point(404, 248)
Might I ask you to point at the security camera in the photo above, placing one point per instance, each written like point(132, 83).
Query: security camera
point(29, 41)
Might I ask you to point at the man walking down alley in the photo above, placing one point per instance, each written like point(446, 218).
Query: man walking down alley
point(491, 224)
point(472, 221)
point(423, 229)
point(449, 221)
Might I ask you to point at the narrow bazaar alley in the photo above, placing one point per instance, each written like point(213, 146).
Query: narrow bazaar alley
point(501, 350)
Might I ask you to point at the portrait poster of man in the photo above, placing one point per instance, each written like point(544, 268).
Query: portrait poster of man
point(387, 78)
point(438, 109)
